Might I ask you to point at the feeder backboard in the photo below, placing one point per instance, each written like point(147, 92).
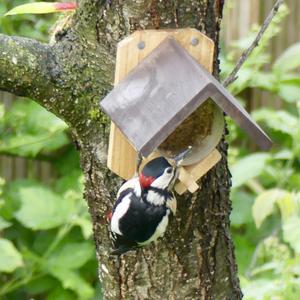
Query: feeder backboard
point(130, 52)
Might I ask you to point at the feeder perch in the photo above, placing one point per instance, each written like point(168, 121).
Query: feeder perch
point(162, 89)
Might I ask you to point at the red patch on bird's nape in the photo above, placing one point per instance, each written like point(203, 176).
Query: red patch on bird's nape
point(145, 181)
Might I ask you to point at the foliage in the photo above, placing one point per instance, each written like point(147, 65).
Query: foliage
point(41, 8)
point(45, 231)
point(31, 26)
point(28, 130)
point(266, 186)
point(46, 245)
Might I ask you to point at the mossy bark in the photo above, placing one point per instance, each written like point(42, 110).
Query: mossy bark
point(195, 260)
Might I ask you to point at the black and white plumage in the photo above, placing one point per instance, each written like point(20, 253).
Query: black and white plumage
point(143, 207)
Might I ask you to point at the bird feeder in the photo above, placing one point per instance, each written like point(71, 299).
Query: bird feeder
point(165, 99)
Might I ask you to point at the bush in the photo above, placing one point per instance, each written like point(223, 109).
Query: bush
point(266, 198)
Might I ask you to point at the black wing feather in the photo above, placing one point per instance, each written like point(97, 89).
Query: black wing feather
point(141, 219)
point(138, 224)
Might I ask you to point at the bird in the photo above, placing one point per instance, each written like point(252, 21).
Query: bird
point(145, 203)
point(143, 207)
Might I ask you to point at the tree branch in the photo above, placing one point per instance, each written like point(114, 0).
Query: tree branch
point(27, 67)
point(232, 76)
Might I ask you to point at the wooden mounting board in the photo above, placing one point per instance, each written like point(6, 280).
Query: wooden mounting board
point(190, 174)
point(133, 49)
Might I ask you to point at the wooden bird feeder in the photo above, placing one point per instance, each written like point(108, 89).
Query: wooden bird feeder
point(165, 99)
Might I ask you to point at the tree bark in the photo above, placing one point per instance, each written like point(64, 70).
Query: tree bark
point(195, 259)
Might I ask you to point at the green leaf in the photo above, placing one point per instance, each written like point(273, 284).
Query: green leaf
point(41, 285)
point(71, 256)
point(72, 180)
point(290, 79)
point(29, 129)
point(264, 204)
point(247, 168)
point(286, 205)
point(10, 258)
point(10, 194)
point(265, 81)
point(269, 266)
point(4, 224)
point(41, 8)
point(242, 81)
point(73, 281)
point(60, 294)
point(86, 226)
point(259, 289)
point(289, 92)
point(41, 208)
point(244, 249)
point(277, 120)
point(241, 212)
point(291, 232)
point(288, 60)
point(284, 154)
point(29, 145)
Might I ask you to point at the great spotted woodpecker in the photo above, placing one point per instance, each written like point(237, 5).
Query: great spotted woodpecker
point(143, 207)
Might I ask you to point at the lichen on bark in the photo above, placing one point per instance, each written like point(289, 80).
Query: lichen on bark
point(195, 259)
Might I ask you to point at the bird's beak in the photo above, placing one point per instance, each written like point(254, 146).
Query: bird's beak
point(176, 162)
point(178, 159)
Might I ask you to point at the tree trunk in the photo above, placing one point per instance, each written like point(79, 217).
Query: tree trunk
point(195, 259)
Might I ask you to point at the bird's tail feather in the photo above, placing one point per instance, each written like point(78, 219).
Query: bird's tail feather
point(122, 249)
point(122, 245)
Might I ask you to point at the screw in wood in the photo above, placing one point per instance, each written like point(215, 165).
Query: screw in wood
point(195, 41)
point(141, 45)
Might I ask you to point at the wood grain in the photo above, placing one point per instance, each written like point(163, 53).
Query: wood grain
point(196, 171)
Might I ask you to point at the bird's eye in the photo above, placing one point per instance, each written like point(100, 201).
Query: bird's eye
point(169, 170)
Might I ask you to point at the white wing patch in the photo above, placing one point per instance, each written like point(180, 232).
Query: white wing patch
point(132, 183)
point(119, 212)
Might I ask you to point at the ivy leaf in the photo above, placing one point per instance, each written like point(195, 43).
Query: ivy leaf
point(10, 258)
point(41, 8)
point(40, 207)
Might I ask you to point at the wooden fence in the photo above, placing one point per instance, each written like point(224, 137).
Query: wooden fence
point(238, 17)
point(16, 167)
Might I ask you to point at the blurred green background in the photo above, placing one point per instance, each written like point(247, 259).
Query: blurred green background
point(44, 218)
